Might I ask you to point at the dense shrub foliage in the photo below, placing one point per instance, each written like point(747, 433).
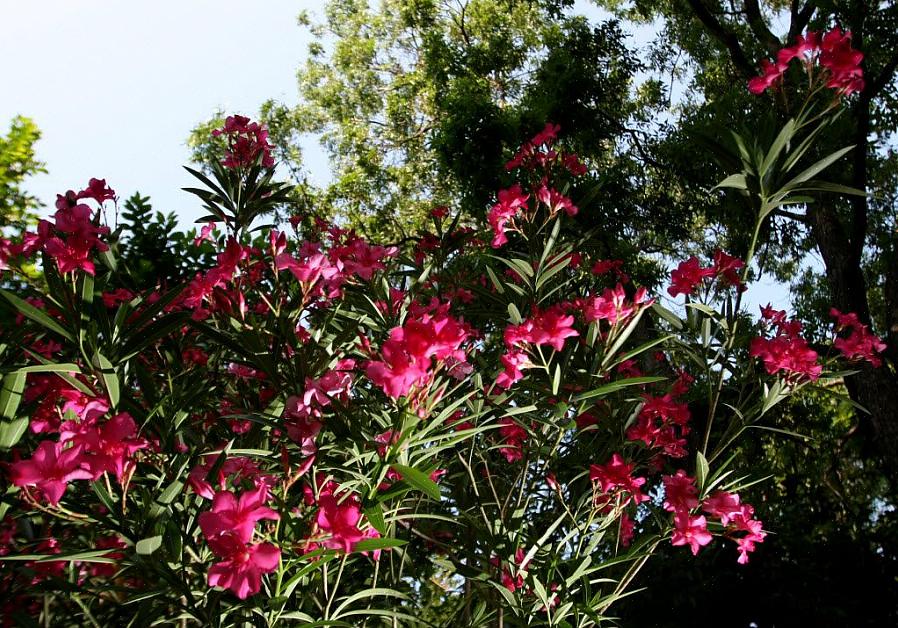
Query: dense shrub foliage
point(475, 426)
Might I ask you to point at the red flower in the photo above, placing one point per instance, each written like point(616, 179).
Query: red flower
point(339, 519)
point(513, 361)
point(513, 437)
point(247, 142)
point(236, 516)
point(243, 565)
point(691, 531)
point(688, 276)
point(510, 202)
point(860, 344)
point(50, 469)
point(680, 492)
point(616, 477)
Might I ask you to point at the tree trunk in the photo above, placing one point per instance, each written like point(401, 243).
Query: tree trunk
point(876, 389)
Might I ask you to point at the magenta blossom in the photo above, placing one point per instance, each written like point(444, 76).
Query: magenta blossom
point(243, 565)
point(50, 469)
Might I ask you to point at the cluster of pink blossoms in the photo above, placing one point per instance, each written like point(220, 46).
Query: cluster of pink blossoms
point(612, 305)
point(229, 529)
point(786, 351)
point(681, 499)
point(302, 414)
point(87, 447)
point(551, 326)
point(514, 202)
point(663, 422)
point(247, 142)
point(690, 274)
point(833, 52)
point(537, 154)
point(406, 357)
point(860, 344)
point(336, 525)
point(72, 237)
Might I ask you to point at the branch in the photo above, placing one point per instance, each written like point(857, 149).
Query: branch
point(790, 215)
point(800, 18)
point(725, 37)
point(759, 27)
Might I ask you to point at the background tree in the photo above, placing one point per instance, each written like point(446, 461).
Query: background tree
point(718, 45)
point(420, 104)
point(17, 163)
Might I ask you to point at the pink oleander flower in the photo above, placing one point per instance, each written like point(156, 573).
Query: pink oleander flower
point(236, 516)
point(616, 477)
point(722, 505)
point(511, 201)
point(205, 234)
point(787, 353)
point(247, 141)
point(408, 353)
point(680, 492)
point(109, 447)
point(691, 531)
point(726, 267)
point(840, 62)
point(687, 277)
point(513, 437)
point(50, 469)
point(243, 565)
point(340, 520)
point(551, 326)
point(612, 306)
point(860, 344)
point(555, 201)
point(513, 361)
point(771, 74)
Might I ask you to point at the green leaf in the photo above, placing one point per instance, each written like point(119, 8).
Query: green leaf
point(11, 428)
point(149, 545)
point(784, 137)
point(368, 545)
point(110, 379)
point(66, 367)
point(607, 389)
point(514, 314)
point(38, 316)
point(812, 171)
point(375, 515)
point(667, 315)
point(496, 283)
point(701, 470)
point(419, 480)
point(736, 181)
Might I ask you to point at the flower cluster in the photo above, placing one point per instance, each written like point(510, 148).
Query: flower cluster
point(860, 343)
point(247, 143)
point(513, 203)
point(308, 399)
point(681, 499)
point(786, 351)
point(833, 52)
point(72, 236)
point(88, 448)
point(229, 529)
point(429, 333)
point(690, 275)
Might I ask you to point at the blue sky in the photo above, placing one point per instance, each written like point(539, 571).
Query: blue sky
point(116, 87)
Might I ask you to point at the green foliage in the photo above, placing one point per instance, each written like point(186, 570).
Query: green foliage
point(418, 105)
point(17, 163)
